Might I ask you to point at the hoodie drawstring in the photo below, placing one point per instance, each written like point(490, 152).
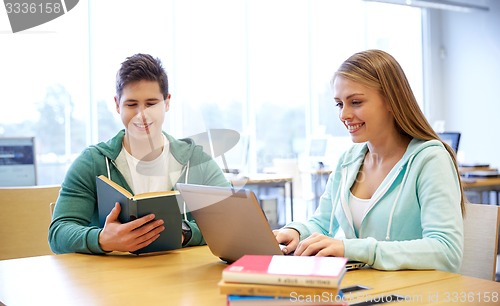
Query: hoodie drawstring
point(186, 181)
point(334, 208)
point(107, 167)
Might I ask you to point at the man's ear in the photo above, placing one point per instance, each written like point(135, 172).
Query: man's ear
point(167, 103)
point(117, 104)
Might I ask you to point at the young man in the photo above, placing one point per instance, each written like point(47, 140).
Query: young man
point(141, 158)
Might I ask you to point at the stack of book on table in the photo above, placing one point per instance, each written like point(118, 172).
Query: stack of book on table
point(283, 280)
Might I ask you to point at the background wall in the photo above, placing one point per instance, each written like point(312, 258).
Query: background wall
point(466, 47)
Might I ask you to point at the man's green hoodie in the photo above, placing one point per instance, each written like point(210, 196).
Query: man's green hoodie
point(75, 222)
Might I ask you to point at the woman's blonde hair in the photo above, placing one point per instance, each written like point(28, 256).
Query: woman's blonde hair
point(378, 69)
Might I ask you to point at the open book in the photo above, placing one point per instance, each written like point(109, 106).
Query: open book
point(163, 204)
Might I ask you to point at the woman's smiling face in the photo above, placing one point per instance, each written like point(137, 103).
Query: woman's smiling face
point(362, 110)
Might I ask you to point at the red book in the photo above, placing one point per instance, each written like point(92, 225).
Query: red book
point(314, 271)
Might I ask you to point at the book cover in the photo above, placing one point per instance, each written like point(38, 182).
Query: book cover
point(163, 204)
point(273, 290)
point(246, 300)
point(314, 271)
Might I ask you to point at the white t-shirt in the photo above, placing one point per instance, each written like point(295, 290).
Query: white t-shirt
point(358, 208)
point(150, 176)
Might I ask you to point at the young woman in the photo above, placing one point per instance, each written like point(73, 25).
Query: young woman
point(396, 194)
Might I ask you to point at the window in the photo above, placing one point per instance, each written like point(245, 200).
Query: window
point(45, 89)
point(259, 67)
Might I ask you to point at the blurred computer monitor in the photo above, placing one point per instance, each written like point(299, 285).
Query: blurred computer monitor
point(17, 161)
point(315, 152)
point(317, 147)
point(451, 138)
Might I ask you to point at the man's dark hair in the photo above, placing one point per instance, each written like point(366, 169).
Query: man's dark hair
point(141, 67)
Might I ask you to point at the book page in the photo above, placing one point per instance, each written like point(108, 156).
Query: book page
point(155, 194)
point(307, 265)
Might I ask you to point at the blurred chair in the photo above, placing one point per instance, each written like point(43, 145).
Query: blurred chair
point(481, 225)
point(302, 194)
point(289, 167)
point(24, 220)
point(52, 206)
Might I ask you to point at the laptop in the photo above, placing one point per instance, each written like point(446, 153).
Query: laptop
point(232, 222)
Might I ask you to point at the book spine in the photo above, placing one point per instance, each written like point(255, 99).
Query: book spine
point(276, 279)
point(275, 290)
point(132, 209)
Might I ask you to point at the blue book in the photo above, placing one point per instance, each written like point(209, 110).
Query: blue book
point(249, 300)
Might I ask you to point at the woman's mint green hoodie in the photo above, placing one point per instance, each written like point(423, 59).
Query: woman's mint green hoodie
point(414, 220)
point(75, 222)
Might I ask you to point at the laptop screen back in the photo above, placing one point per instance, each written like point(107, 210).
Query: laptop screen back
point(231, 221)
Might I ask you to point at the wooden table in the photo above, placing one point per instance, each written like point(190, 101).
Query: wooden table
point(460, 290)
point(185, 277)
point(481, 185)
